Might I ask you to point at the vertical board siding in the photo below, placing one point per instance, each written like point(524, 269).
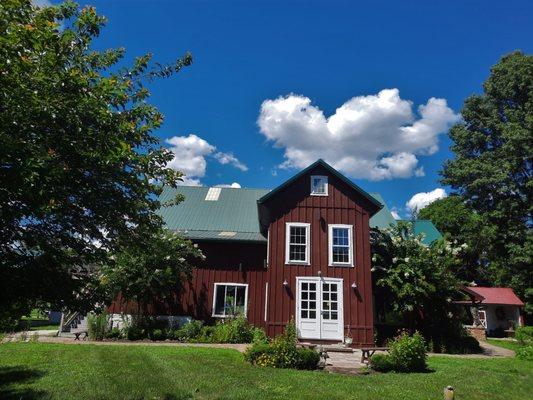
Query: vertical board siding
point(293, 204)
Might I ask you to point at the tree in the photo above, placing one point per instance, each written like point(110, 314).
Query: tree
point(460, 224)
point(493, 167)
point(80, 166)
point(151, 272)
point(414, 281)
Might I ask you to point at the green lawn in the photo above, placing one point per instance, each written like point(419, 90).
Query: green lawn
point(57, 371)
point(508, 344)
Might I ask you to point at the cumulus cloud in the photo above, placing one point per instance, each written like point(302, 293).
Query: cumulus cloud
point(229, 158)
point(422, 199)
point(234, 185)
point(374, 137)
point(190, 157)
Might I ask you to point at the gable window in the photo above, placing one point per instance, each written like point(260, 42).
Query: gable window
point(341, 245)
point(319, 185)
point(297, 243)
point(230, 299)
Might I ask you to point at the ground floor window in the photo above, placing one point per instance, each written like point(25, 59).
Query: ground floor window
point(230, 299)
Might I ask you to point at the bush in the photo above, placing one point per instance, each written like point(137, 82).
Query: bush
point(97, 326)
point(114, 333)
point(282, 352)
point(524, 335)
point(381, 363)
point(307, 359)
point(235, 330)
point(408, 353)
point(157, 334)
point(135, 333)
point(525, 352)
point(259, 335)
point(190, 331)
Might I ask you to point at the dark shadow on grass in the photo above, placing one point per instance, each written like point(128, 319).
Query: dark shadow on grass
point(18, 375)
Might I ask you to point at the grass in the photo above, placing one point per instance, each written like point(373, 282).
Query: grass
point(507, 344)
point(51, 327)
point(59, 371)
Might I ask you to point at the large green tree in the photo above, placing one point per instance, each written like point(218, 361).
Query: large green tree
point(493, 168)
point(80, 166)
point(461, 225)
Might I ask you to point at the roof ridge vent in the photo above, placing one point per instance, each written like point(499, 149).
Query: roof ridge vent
point(213, 194)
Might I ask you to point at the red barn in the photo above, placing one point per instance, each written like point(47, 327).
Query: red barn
point(300, 251)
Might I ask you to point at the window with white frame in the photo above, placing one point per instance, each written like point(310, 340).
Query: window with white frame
point(297, 243)
point(341, 245)
point(230, 299)
point(319, 185)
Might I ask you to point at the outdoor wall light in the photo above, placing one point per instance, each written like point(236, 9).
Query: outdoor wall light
point(285, 283)
point(354, 285)
point(319, 273)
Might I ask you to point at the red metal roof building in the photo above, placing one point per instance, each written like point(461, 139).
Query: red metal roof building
point(494, 295)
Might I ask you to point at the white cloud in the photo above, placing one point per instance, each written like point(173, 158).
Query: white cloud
point(229, 158)
point(421, 200)
point(190, 157)
point(395, 214)
point(374, 137)
point(234, 185)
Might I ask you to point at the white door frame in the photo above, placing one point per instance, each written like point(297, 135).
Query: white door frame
point(319, 280)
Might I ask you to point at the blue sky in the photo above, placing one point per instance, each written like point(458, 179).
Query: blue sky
point(324, 53)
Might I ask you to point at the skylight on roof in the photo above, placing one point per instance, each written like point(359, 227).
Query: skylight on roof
point(213, 194)
point(227, 234)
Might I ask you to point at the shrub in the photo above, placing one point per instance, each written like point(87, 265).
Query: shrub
point(408, 353)
point(97, 326)
point(525, 352)
point(114, 333)
point(524, 335)
point(235, 330)
point(135, 333)
point(190, 331)
point(157, 334)
point(381, 363)
point(282, 352)
point(259, 335)
point(307, 359)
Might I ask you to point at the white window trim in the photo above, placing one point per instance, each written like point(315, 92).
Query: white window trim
point(229, 284)
point(350, 243)
point(307, 227)
point(326, 186)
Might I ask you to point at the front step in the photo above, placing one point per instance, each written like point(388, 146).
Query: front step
point(329, 347)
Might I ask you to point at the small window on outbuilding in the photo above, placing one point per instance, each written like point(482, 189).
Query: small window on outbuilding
point(319, 185)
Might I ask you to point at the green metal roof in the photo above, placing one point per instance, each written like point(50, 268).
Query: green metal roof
point(426, 227)
point(383, 218)
point(235, 217)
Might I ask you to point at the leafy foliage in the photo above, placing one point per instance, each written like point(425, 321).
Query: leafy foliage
point(407, 354)
point(151, 270)
point(493, 168)
point(98, 326)
point(282, 352)
point(416, 280)
point(459, 223)
point(80, 165)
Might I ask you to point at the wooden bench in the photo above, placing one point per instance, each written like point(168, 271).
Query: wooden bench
point(368, 352)
point(77, 335)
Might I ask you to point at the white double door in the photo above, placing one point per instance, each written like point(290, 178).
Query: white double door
point(319, 308)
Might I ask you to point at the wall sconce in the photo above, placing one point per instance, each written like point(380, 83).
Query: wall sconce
point(354, 285)
point(285, 283)
point(319, 273)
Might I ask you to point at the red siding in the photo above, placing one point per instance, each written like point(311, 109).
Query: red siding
point(293, 204)
point(341, 206)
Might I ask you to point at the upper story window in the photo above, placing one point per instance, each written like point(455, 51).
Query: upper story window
point(297, 243)
point(319, 185)
point(341, 245)
point(230, 299)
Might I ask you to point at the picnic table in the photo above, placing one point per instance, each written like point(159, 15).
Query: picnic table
point(367, 352)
